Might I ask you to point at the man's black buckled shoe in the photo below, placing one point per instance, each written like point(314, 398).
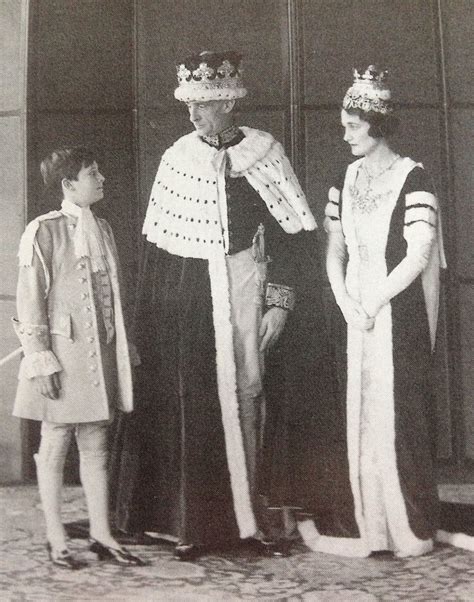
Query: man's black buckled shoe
point(271, 549)
point(187, 552)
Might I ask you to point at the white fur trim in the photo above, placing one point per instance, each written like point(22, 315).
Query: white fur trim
point(458, 540)
point(187, 216)
point(431, 287)
point(383, 385)
point(341, 546)
point(183, 216)
point(421, 233)
point(421, 547)
point(423, 217)
point(353, 405)
point(220, 165)
point(332, 222)
point(227, 388)
point(334, 195)
point(354, 373)
point(381, 376)
point(331, 225)
point(204, 92)
point(271, 175)
point(421, 197)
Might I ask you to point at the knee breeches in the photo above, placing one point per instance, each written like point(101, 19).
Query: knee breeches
point(91, 441)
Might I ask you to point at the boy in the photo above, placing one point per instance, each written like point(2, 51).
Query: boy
point(76, 366)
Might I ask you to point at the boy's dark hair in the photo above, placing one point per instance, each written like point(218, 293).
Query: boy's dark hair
point(64, 163)
point(381, 125)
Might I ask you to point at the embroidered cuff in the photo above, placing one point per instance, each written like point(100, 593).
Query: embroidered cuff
point(39, 363)
point(278, 295)
point(33, 337)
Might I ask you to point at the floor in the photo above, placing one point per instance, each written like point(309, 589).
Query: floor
point(25, 575)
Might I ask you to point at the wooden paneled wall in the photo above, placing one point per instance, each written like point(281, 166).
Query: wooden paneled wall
point(457, 17)
point(80, 91)
point(169, 30)
point(13, 36)
point(404, 39)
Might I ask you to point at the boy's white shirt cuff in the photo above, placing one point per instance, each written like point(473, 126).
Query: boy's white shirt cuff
point(39, 363)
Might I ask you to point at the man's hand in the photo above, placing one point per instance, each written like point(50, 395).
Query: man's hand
point(355, 315)
point(273, 322)
point(48, 386)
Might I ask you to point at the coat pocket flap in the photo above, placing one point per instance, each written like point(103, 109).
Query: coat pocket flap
point(60, 324)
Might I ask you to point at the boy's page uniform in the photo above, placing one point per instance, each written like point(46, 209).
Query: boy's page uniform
point(70, 321)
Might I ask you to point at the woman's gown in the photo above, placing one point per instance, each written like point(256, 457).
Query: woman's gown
point(388, 394)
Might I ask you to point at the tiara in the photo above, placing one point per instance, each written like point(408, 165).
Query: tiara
point(369, 92)
point(210, 76)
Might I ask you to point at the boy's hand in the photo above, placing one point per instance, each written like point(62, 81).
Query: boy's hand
point(48, 386)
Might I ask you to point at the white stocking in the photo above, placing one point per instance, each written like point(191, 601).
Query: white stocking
point(93, 472)
point(50, 484)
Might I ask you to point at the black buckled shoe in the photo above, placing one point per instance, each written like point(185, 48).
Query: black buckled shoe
point(64, 559)
point(271, 549)
point(187, 552)
point(120, 556)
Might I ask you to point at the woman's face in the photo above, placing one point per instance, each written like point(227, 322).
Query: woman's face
point(356, 134)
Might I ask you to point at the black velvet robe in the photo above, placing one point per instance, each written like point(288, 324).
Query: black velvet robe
point(169, 468)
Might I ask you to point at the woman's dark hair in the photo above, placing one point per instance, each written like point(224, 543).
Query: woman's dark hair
point(381, 125)
point(64, 163)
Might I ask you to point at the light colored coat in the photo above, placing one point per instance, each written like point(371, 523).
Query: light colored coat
point(58, 329)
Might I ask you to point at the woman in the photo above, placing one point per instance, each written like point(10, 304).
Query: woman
point(385, 218)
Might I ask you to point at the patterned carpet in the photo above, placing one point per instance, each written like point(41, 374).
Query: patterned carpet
point(25, 575)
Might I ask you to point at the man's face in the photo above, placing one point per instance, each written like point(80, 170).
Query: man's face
point(88, 188)
point(209, 118)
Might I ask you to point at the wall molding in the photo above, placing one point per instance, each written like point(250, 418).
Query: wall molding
point(453, 314)
point(296, 85)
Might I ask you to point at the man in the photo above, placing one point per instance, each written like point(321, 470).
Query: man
point(215, 294)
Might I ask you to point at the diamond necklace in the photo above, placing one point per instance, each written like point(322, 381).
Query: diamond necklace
point(371, 177)
point(366, 201)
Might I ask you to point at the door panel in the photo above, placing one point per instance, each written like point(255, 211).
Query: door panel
point(169, 30)
point(337, 36)
point(342, 34)
point(463, 153)
point(458, 19)
point(467, 352)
